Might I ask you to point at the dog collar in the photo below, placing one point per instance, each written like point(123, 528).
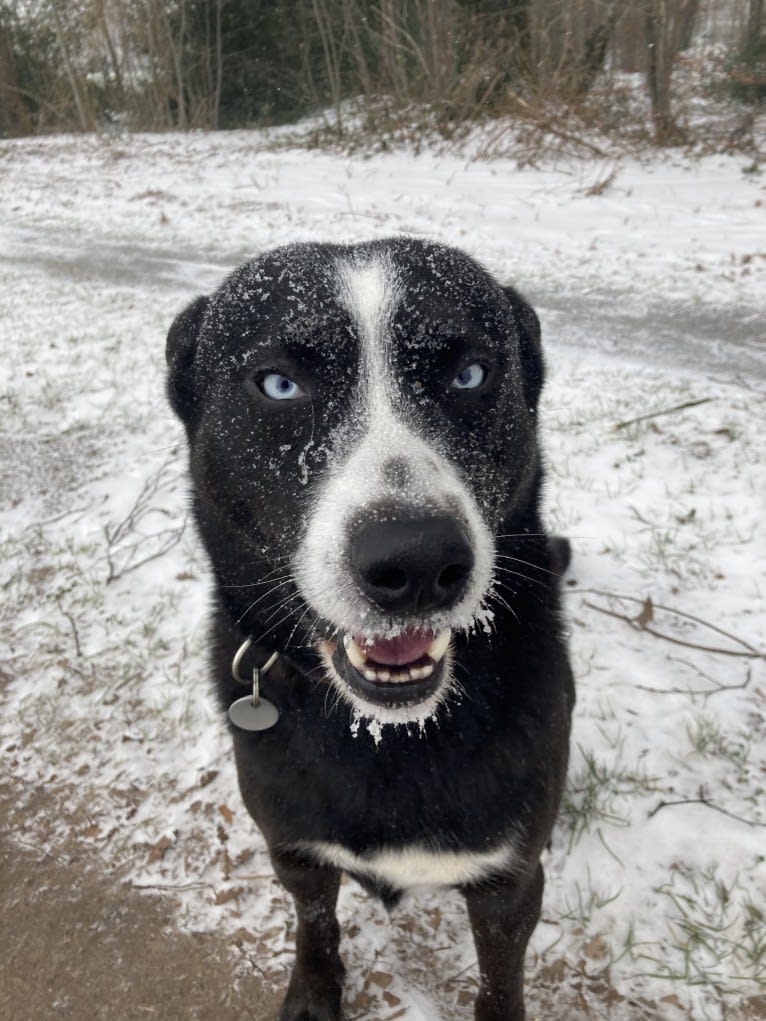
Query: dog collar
point(252, 712)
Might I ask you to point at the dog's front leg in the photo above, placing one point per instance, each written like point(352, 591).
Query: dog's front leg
point(503, 914)
point(316, 983)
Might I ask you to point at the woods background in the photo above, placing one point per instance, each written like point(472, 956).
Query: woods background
point(157, 65)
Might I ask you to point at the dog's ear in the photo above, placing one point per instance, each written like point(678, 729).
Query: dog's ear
point(528, 326)
point(180, 349)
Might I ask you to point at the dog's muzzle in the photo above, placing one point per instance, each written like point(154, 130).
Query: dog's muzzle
point(409, 570)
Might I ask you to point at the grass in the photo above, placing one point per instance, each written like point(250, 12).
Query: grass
point(715, 933)
point(598, 791)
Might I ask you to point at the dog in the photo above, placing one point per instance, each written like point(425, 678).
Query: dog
point(366, 475)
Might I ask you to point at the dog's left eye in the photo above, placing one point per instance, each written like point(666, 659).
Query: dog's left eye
point(469, 378)
point(279, 388)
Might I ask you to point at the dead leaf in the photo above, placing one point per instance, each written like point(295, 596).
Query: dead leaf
point(223, 896)
point(595, 948)
point(157, 851)
point(646, 616)
point(381, 978)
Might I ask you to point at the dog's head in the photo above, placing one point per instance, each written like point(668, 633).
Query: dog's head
point(362, 428)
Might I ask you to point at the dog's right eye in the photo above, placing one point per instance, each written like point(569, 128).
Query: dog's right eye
point(277, 387)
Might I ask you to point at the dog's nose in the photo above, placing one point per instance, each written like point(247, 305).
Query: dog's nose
point(412, 564)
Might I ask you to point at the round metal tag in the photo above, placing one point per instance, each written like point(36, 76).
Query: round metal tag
point(247, 716)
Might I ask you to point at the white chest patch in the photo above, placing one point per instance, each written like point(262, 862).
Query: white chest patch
point(407, 867)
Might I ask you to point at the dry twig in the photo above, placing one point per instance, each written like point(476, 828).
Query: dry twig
point(702, 800)
point(640, 623)
point(665, 411)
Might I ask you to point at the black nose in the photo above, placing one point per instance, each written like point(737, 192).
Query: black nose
point(412, 564)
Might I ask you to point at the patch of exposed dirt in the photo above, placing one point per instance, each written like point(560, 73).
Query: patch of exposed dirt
point(77, 942)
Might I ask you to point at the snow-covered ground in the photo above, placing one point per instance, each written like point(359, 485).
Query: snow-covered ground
point(651, 291)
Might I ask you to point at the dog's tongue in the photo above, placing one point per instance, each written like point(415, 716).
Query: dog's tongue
point(405, 648)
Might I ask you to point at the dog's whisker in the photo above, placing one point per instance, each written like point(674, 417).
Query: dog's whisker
point(291, 598)
point(527, 563)
point(264, 595)
point(523, 535)
point(297, 625)
point(265, 581)
point(273, 627)
point(495, 595)
point(520, 574)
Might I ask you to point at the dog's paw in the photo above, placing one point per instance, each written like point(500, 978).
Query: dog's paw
point(311, 1009)
point(315, 999)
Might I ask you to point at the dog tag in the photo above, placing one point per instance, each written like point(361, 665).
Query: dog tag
point(249, 715)
point(253, 712)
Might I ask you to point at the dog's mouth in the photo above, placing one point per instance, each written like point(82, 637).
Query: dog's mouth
point(400, 671)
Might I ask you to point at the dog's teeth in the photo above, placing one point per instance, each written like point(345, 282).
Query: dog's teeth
point(384, 675)
point(356, 657)
point(370, 675)
point(438, 646)
point(426, 671)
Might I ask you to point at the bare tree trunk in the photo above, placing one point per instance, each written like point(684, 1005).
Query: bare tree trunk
point(519, 21)
point(218, 65)
point(14, 119)
point(333, 52)
point(392, 50)
point(688, 20)
point(158, 62)
point(595, 49)
point(436, 39)
point(754, 22)
point(177, 55)
point(665, 20)
point(352, 20)
point(83, 113)
point(103, 23)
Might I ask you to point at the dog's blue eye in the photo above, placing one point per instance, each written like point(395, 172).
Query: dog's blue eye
point(471, 377)
point(279, 388)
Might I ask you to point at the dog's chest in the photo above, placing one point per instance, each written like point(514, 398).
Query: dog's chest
point(412, 866)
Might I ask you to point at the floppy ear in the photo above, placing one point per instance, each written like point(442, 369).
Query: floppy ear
point(180, 349)
point(528, 326)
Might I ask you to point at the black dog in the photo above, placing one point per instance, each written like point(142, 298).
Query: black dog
point(362, 433)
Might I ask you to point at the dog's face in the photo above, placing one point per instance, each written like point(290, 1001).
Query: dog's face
point(361, 424)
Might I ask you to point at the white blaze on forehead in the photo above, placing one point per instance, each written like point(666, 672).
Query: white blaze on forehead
point(370, 293)
point(370, 289)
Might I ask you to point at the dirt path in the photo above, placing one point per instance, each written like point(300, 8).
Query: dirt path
point(76, 942)
point(727, 341)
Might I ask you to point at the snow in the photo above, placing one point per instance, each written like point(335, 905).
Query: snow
point(651, 295)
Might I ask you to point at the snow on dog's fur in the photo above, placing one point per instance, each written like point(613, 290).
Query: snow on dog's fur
point(366, 474)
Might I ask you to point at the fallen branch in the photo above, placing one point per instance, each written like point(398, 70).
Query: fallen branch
point(119, 546)
point(665, 411)
point(708, 804)
point(172, 886)
point(637, 626)
point(73, 625)
point(638, 623)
